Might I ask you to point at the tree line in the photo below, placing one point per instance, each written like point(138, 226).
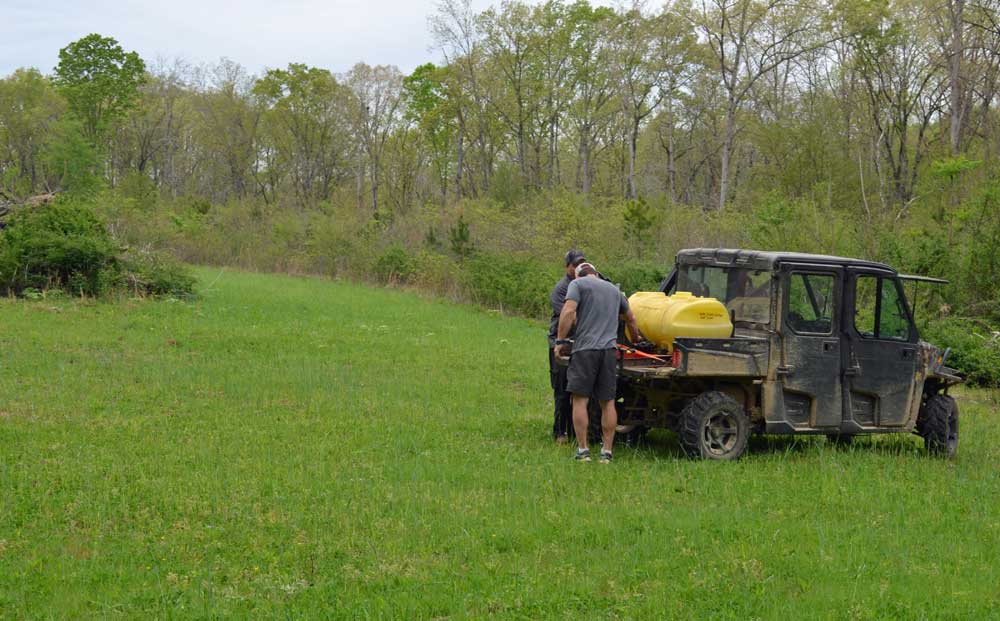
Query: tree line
point(855, 127)
point(701, 103)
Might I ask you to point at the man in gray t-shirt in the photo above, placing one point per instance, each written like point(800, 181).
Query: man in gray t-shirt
point(594, 306)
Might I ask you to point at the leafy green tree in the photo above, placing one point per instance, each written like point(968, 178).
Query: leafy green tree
point(428, 106)
point(71, 159)
point(28, 108)
point(306, 118)
point(226, 156)
point(592, 82)
point(514, 98)
point(748, 40)
point(147, 146)
point(906, 90)
point(639, 74)
point(376, 100)
point(458, 37)
point(99, 80)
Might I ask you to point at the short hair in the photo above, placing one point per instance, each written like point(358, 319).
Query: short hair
point(585, 269)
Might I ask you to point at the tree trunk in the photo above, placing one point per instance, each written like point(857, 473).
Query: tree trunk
point(727, 151)
point(955, 10)
point(460, 156)
point(633, 141)
point(585, 160)
point(671, 163)
point(553, 151)
point(374, 177)
point(361, 182)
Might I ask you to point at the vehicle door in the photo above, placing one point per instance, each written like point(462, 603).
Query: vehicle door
point(809, 369)
point(883, 349)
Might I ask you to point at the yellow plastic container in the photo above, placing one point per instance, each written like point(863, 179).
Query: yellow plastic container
point(662, 318)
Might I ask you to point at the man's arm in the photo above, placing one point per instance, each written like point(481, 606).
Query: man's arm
point(567, 319)
point(633, 326)
point(625, 313)
point(558, 296)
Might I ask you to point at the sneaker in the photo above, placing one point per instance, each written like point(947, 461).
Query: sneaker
point(605, 457)
point(582, 455)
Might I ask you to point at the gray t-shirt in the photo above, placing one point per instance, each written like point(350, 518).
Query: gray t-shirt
point(599, 303)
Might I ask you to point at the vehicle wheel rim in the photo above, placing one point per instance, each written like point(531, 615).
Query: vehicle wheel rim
point(721, 433)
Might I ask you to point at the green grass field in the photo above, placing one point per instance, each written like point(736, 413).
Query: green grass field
point(293, 447)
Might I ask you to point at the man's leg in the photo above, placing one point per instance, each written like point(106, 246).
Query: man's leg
point(581, 420)
point(605, 390)
point(564, 402)
point(560, 399)
point(580, 382)
point(564, 413)
point(609, 420)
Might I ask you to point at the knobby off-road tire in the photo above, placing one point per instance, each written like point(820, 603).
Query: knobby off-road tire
point(937, 424)
point(714, 426)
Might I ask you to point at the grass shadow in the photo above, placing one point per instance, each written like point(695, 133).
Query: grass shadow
point(664, 444)
point(656, 444)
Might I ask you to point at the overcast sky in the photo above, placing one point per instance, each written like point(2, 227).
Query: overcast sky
point(333, 34)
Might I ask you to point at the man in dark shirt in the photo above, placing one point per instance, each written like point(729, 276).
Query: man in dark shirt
point(562, 417)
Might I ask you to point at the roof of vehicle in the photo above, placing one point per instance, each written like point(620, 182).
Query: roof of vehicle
point(765, 260)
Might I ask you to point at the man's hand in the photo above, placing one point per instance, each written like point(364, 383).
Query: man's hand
point(633, 327)
point(561, 351)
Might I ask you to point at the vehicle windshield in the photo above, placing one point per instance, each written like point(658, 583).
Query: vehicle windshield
point(746, 293)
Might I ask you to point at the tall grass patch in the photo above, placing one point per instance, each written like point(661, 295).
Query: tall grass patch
point(296, 447)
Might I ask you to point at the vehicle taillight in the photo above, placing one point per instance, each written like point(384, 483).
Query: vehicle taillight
point(675, 362)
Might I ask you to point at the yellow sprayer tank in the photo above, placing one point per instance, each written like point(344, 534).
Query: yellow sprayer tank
point(661, 318)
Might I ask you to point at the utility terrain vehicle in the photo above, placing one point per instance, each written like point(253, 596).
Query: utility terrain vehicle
point(818, 345)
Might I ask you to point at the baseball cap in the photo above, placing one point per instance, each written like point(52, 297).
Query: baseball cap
point(574, 256)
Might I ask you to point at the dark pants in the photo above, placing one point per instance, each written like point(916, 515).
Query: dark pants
point(562, 413)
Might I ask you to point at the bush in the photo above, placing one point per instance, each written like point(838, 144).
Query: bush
point(394, 265)
point(156, 273)
point(436, 272)
point(632, 277)
point(65, 246)
point(62, 245)
point(975, 348)
point(519, 285)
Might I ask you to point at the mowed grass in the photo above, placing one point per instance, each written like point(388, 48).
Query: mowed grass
point(293, 447)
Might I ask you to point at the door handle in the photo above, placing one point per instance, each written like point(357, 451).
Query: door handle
point(829, 346)
point(906, 354)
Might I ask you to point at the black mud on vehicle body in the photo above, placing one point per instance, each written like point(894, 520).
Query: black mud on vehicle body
point(714, 426)
point(937, 424)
